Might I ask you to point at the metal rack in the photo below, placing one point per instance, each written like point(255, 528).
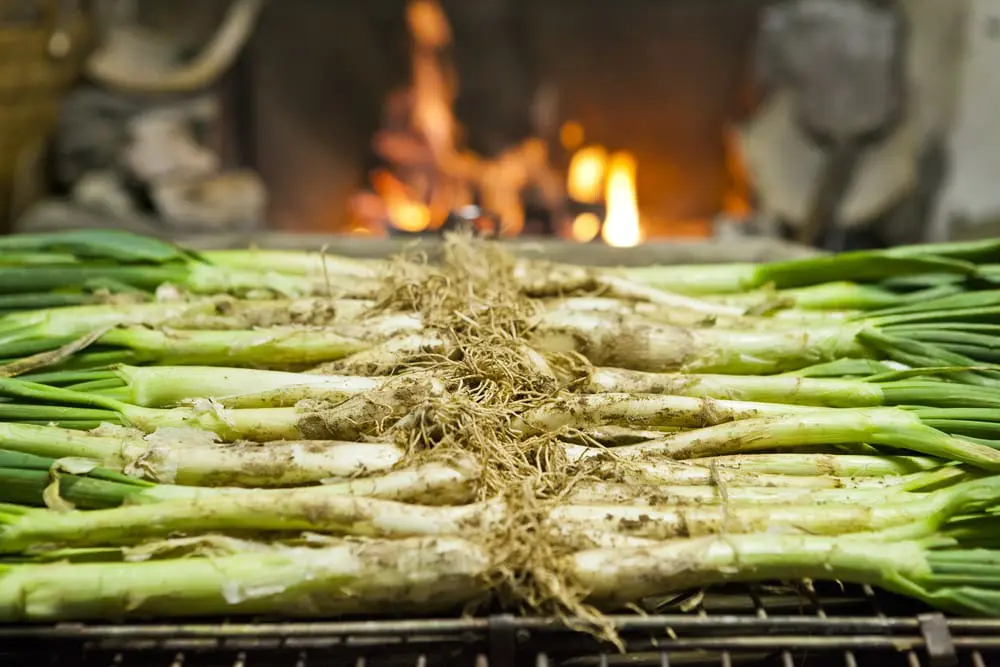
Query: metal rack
point(759, 626)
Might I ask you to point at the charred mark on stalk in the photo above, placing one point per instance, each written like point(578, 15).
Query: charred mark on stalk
point(628, 525)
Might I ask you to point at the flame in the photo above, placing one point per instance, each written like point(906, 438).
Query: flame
point(621, 224)
point(402, 210)
point(586, 227)
point(432, 84)
point(586, 174)
point(571, 135)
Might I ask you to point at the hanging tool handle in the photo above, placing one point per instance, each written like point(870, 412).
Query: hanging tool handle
point(834, 180)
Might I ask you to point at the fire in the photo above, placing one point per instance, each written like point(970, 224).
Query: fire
point(586, 174)
point(429, 170)
point(403, 211)
point(586, 227)
point(571, 135)
point(433, 93)
point(621, 224)
point(432, 172)
point(595, 177)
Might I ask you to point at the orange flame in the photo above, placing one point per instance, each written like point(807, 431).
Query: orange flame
point(586, 227)
point(586, 174)
point(621, 224)
point(403, 211)
point(571, 135)
point(433, 92)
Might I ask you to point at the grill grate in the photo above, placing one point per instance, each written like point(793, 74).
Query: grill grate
point(759, 626)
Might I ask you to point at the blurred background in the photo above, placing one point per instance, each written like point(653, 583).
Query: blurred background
point(831, 123)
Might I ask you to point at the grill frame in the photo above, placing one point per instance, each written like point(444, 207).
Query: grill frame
point(728, 627)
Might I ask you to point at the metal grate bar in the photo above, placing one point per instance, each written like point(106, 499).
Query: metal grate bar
point(786, 656)
point(869, 592)
point(733, 626)
point(435, 630)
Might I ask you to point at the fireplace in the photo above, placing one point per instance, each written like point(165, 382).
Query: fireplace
point(839, 123)
point(586, 120)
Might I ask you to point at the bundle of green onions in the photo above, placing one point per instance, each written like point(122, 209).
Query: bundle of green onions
point(283, 433)
point(36, 265)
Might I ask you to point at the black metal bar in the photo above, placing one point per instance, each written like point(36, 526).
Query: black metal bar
point(750, 635)
point(437, 627)
point(503, 640)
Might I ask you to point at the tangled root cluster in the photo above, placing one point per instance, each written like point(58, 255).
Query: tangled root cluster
point(477, 300)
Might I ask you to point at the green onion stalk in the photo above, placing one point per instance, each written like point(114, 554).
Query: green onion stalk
point(388, 357)
point(809, 465)
point(643, 411)
point(423, 500)
point(208, 313)
point(794, 471)
point(848, 367)
point(39, 330)
point(361, 415)
point(29, 258)
point(168, 386)
point(897, 514)
point(195, 458)
point(863, 266)
point(960, 581)
point(31, 332)
point(638, 344)
point(93, 293)
point(298, 263)
point(612, 436)
point(196, 277)
point(67, 483)
point(954, 434)
point(814, 301)
point(980, 252)
point(282, 347)
point(720, 490)
point(26, 479)
point(368, 577)
point(146, 263)
point(313, 509)
point(745, 319)
point(975, 531)
point(421, 575)
point(650, 346)
point(968, 434)
point(825, 392)
point(79, 245)
point(965, 326)
point(233, 313)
